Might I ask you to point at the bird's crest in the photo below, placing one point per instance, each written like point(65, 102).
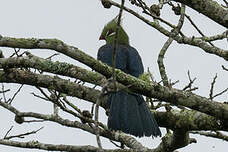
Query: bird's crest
point(110, 30)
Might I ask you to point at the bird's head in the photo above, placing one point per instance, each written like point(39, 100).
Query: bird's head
point(109, 32)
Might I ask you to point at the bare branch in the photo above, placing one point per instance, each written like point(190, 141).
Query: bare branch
point(220, 93)
point(212, 86)
point(71, 105)
point(31, 121)
point(225, 2)
point(189, 86)
point(48, 147)
point(50, 57)
point(8, 132)
point(224, 68)
point(165, 47)
point(96, 122)
point(61, 147)
point(161, 64)
point(22, 135)
point(15, 94)
point(3, 92)
point(194, 25)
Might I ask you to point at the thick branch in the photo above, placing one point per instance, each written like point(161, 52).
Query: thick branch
point(189, 120)
point(209, 8)
point(60, 68)
point(48, 147)
point(61, 85)
point(171, 142)
point(61, 147)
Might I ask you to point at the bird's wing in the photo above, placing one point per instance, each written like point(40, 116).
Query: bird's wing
point(134, 62)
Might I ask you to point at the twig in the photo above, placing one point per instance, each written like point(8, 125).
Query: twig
point(71, 105)
point(220, 93)
point(8, 132)
point(92, 108)
point(151, 75)
point(15, 52)
point(63, 107)
point(225, 3)
point(96, 122)
point(224, 68)
point(103, 92)
point(38, 96)
point(3, 93)
point(143, 6)
point(115, 40)
point(15, 94)
point(45, 94)
point(174, 83)
point(113, 76)
point(24, 134)
point(55, 54)
point(212, 87)
point(189, 86)
point(194, 25)
point(30, 121)
point(116, 144)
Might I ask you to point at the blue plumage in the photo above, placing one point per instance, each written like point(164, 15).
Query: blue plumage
point(128, 112)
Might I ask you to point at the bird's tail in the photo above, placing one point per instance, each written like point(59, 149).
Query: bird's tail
point(130, 114)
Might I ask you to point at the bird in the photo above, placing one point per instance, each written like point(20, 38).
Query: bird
point(128, 112)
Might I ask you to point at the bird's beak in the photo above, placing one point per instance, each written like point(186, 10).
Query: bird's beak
point(101, 38)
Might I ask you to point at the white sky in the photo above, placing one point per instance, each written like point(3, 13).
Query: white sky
point(79, 23)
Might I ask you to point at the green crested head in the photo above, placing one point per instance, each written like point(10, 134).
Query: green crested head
point(109, 32)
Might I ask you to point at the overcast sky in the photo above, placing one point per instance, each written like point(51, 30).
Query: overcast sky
point(79, 23)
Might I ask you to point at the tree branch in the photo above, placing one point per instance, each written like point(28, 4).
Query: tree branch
point(171, 142)
point(153, 90)
point(129, 141)
point(188, 119)
point(209, 8)
point(58, 84)
point(48, 147)
point(60, 68)
point(180, 39)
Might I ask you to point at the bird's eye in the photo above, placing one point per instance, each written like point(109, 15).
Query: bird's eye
point(110, 32)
